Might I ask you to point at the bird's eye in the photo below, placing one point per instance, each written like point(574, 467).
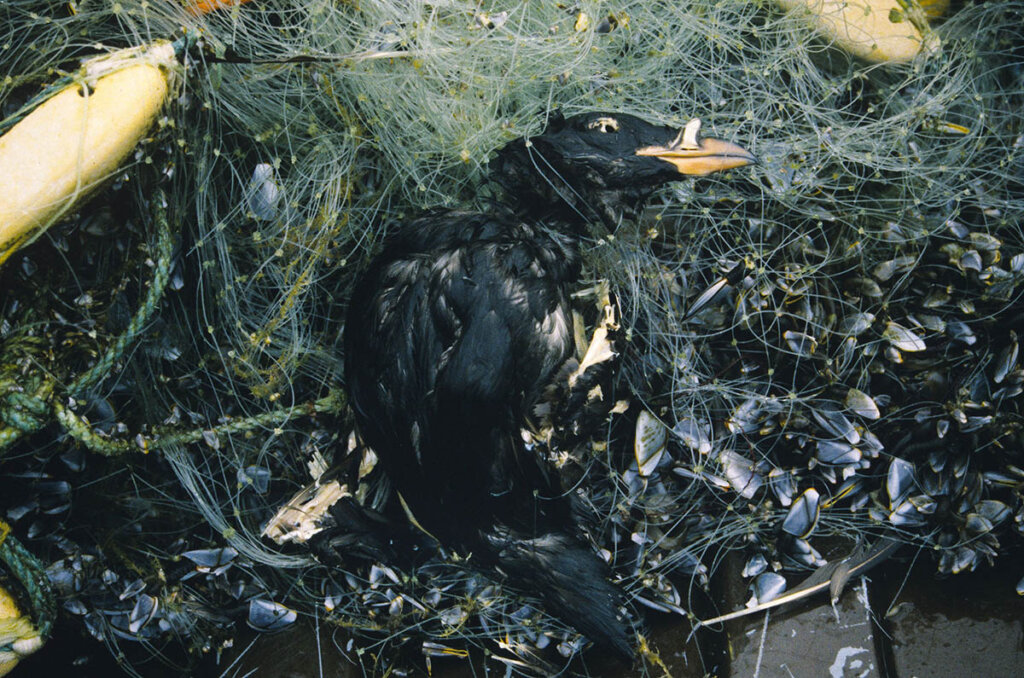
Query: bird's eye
point(604, 125)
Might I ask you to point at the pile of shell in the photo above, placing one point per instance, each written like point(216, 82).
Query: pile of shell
point(838, 401)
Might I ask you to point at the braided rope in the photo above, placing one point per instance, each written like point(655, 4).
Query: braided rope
point(31, 575)
point(164, 249)
point(8, 436)
point(28, 411)
point(80, 430)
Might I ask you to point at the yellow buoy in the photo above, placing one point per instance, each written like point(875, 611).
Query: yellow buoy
point(198, 7)
point(934, 9)
point(876, 30)
point(18, 637)
point(75, 140)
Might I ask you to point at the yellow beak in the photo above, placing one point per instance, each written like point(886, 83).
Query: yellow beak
point(695, 156)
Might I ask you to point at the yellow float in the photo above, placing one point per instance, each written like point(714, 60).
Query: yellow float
point(881, 31)
point(18, 637)
point(64, 149)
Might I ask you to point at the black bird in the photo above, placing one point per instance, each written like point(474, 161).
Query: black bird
point(455, 330)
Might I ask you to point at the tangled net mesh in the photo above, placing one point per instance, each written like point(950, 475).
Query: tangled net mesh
point(864, 349)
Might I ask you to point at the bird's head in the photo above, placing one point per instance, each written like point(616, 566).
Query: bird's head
point(605, 165)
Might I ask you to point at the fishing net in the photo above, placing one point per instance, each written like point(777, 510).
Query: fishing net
point(856, 372)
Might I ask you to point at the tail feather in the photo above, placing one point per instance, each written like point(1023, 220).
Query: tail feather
point(359, 532)
point(572, 581)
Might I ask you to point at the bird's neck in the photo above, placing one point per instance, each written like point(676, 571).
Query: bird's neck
point(547, 193)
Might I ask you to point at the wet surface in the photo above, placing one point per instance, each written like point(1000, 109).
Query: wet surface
point(943, 627)
point(899, 622)
point(805, 639)
point(811, 640)
point(299, 651)
point(71, 652)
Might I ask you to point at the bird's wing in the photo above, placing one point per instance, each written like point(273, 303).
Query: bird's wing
point(445, 352)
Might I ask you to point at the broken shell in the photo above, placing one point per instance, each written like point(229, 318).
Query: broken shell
point(899, 481)
point(783, 484)
point(803, 345)
point(755, 565)
point(837, 453)
point(836, 423)
point(694, 435)
point(856, 324)
point(213, 561)
point(145, 609)
point(649, 444)
point(768, 586)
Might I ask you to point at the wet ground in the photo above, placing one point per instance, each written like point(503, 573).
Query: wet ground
point(898, 622)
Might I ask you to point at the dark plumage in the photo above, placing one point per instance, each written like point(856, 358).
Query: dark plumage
point(458, 326)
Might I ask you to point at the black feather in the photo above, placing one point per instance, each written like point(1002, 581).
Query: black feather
point(458, 327)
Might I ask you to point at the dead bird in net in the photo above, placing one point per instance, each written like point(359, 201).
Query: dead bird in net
point(458, 327)
point(840, 239)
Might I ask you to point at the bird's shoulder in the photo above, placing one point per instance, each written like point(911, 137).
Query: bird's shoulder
point(473, 255)
point(440, 231)
point(459, 298)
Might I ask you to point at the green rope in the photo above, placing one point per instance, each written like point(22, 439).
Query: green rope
point(28, 412)
point(114, 352)
point(8, 436)
point(79, 429)
point(21, 421)
point(25, 409)
point(25, 412)
point(32, 404)
point(31, 574)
